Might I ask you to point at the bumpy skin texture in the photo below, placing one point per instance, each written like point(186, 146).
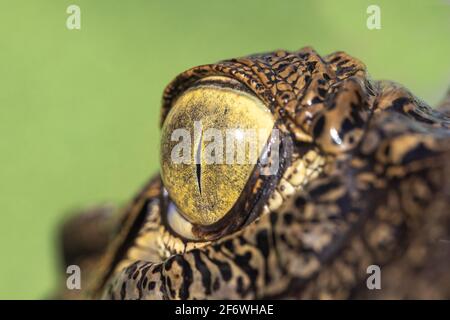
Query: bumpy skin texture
point(382, 197)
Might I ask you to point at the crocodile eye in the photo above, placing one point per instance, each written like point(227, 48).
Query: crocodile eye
point(211, 141)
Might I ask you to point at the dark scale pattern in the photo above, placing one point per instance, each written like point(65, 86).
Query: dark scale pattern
point(383, 197)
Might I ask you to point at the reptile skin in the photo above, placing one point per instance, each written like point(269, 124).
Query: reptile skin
point(364, 180)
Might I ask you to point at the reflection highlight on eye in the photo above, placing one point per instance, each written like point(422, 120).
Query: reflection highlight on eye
point(179, 224)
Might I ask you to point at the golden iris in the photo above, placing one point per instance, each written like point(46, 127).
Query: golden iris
point(211, 139)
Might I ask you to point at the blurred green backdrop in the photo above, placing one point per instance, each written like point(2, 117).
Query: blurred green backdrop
point(79, 108)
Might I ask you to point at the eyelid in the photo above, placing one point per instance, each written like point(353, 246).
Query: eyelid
point(179, 224)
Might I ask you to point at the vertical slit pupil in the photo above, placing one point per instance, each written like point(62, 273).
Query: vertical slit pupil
point(198, 166)
point(199, 173)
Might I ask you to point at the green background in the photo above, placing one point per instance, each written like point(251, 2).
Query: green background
point(79, 109)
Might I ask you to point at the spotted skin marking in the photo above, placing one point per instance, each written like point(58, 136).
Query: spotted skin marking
point(367, 182)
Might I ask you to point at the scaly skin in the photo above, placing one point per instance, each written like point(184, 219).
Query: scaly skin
point(366, 180)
